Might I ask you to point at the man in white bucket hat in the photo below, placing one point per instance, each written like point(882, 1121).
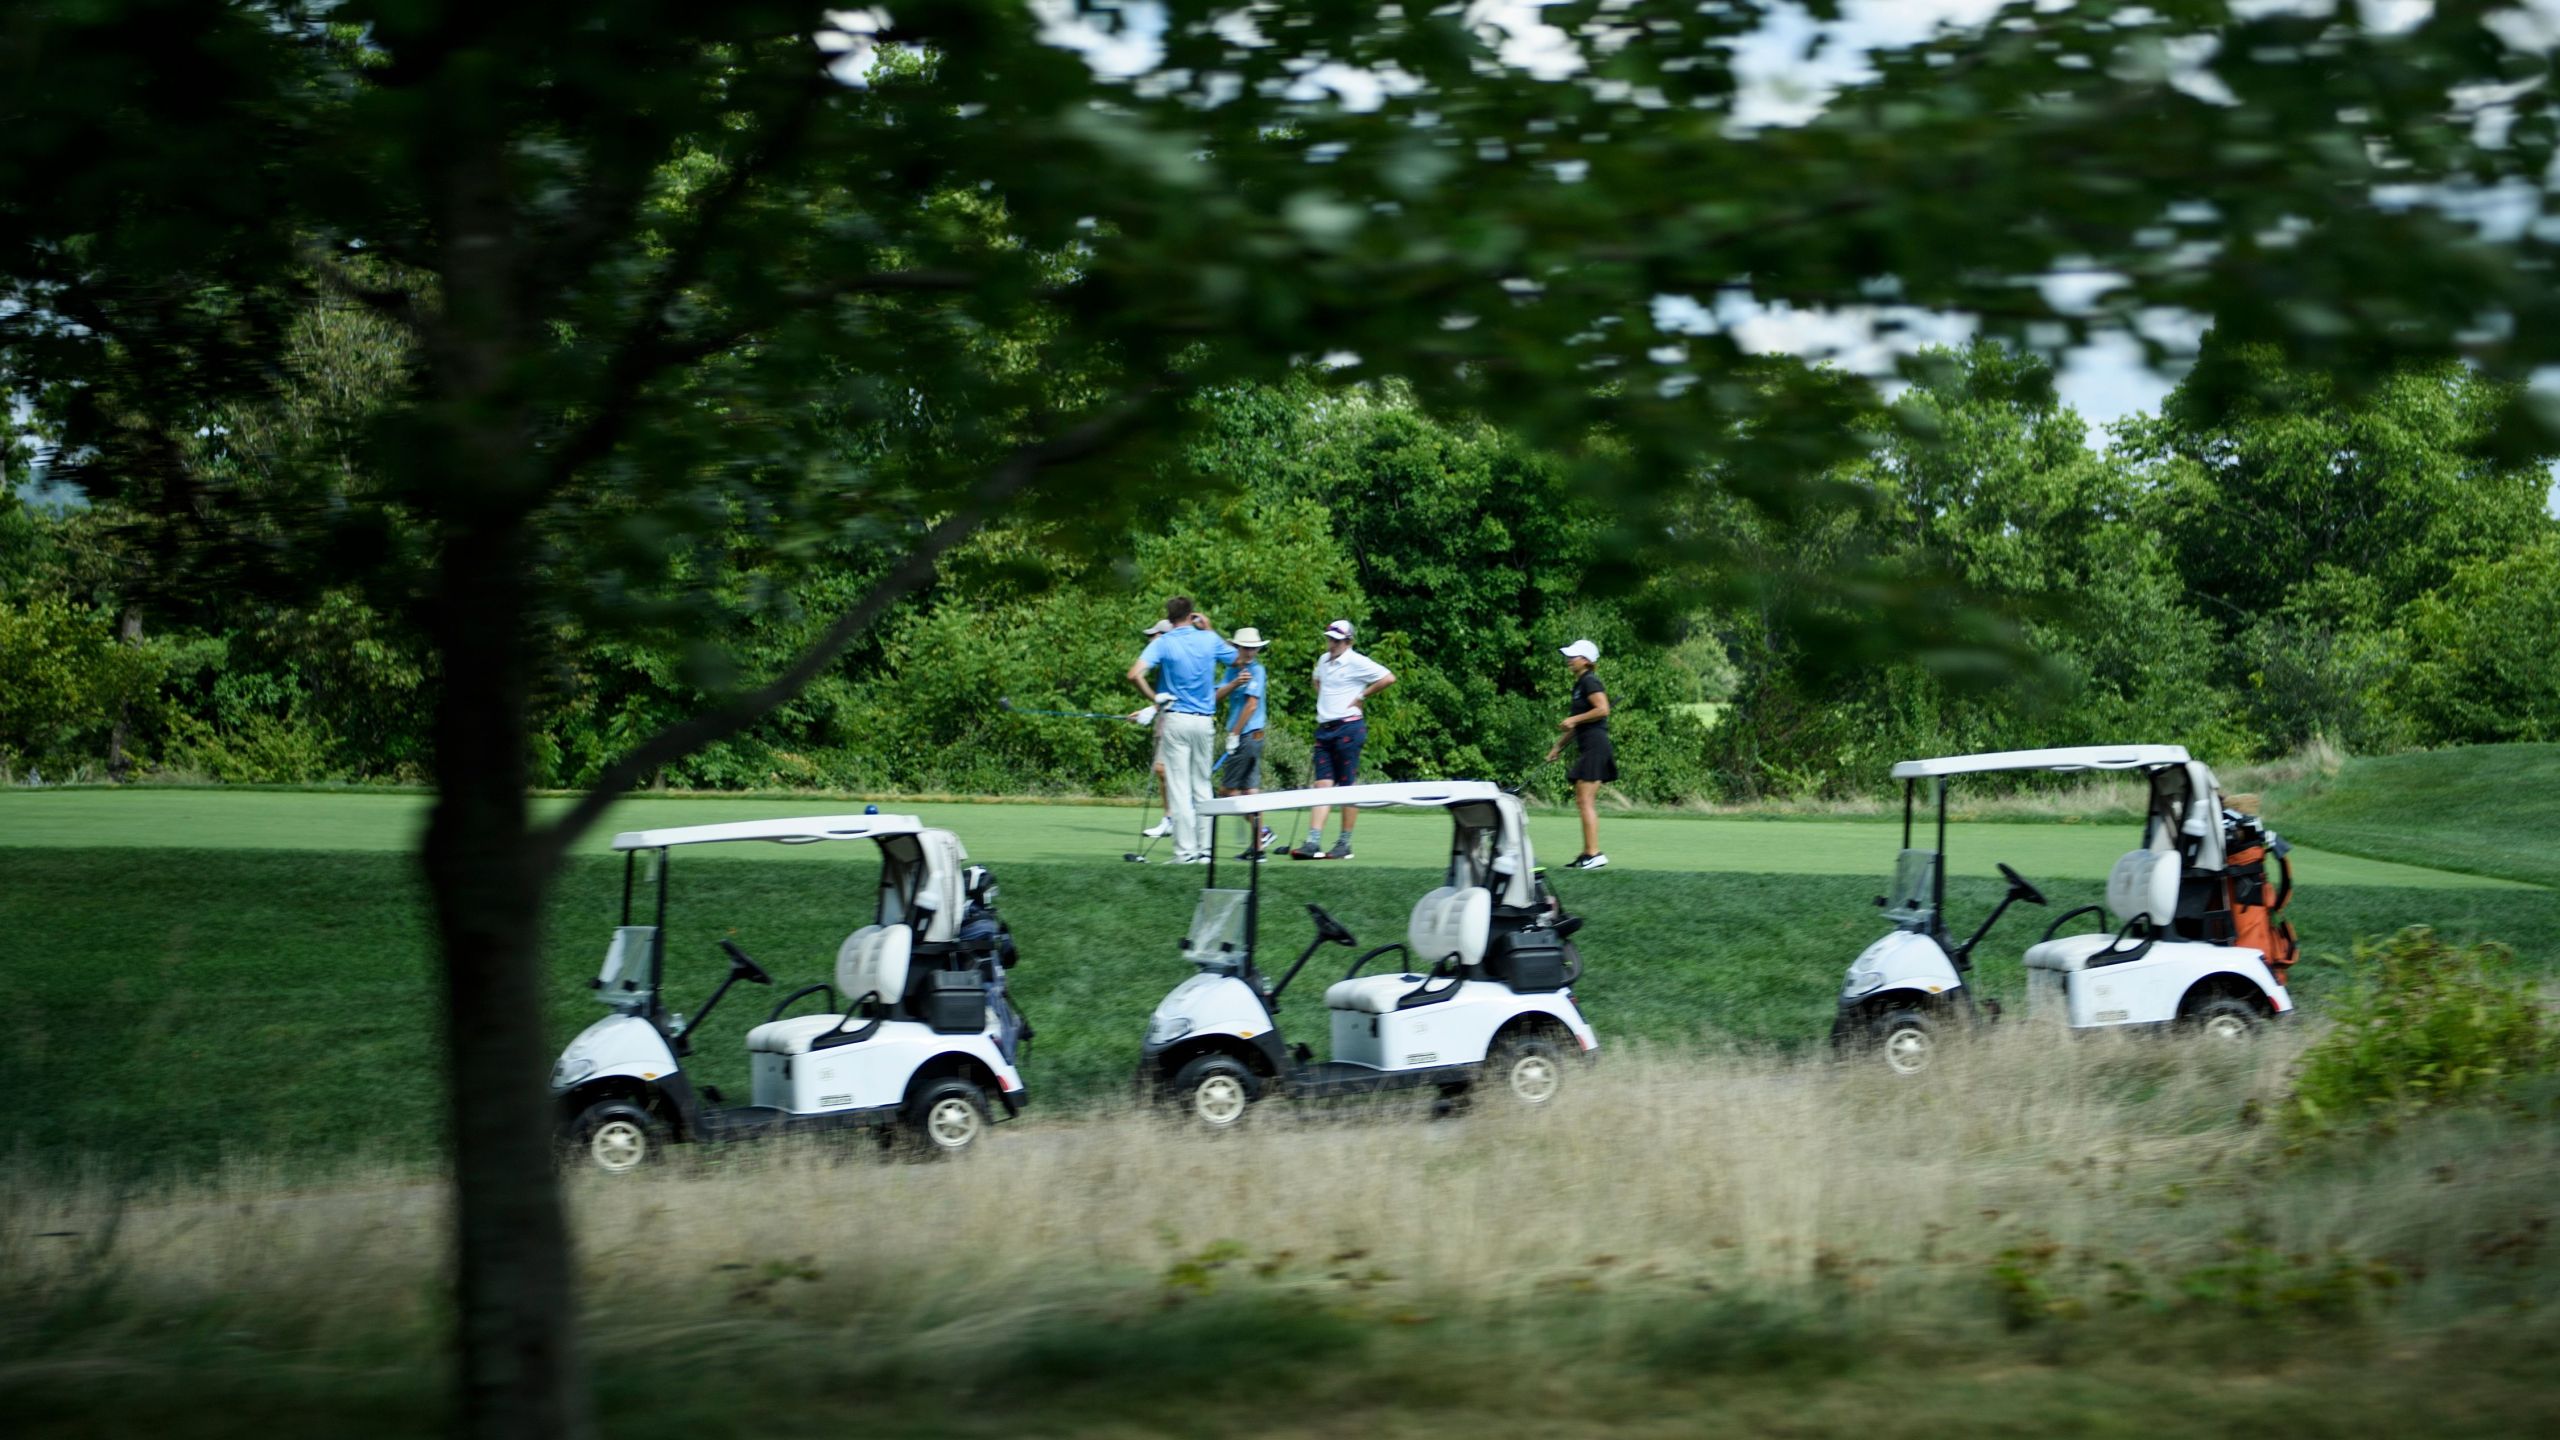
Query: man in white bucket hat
point(1246, 697)
point(1594, 762)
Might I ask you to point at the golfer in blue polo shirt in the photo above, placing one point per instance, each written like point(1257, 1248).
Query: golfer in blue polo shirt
point(1248, 715)
point(1185, 691)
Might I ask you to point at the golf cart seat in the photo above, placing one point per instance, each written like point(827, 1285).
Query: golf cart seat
point(1448, 921)
point(872, 962)
point(2144, 884)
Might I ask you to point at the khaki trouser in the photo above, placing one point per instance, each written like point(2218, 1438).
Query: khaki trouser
point(1189, 744)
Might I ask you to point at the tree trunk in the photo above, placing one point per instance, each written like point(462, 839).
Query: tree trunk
point(119, 762)
point(519, 1372)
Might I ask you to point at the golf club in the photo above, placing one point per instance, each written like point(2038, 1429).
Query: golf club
point(1139, 855)
point(1008, 706)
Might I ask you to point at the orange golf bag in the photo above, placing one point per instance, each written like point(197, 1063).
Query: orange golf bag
point(2249, 847)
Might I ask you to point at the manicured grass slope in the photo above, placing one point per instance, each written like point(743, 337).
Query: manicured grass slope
point(1005, 834)
point(170, 1007)
point(2493, 809)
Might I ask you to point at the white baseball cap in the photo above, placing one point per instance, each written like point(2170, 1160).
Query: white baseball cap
point(1581, 650)
point(1157, 628)
point(1338, 630)
point(1247, 638)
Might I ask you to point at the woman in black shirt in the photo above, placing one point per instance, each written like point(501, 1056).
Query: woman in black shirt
point(1594, 764)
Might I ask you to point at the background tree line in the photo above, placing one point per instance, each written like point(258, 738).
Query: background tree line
point(2263, 562)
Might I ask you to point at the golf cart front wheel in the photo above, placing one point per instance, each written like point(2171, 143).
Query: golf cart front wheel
point(1907, 1039)
point(617, 1136)
point(2224, 1017)
point(1530, 1070)
point(1215, 1091)
point(946, 1118)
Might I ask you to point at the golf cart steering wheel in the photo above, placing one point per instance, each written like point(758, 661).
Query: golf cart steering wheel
point(2018, 882)
point(1328, 928)
point(739, 962)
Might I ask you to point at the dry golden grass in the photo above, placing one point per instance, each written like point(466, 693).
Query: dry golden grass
point(1733, 1172)
point(2030, 1181)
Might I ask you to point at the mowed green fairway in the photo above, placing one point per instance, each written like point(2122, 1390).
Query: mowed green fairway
point(248, 975)
point(999, 834)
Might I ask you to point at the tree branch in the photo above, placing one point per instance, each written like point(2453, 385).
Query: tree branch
point(643, 350)
point(679, 350)
point(686, 736)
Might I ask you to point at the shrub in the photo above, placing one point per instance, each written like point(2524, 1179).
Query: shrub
point(63, 676)
point(2426, 1023)
point(255, 749)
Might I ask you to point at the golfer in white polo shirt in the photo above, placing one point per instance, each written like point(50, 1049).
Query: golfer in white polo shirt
point(1187, 657)
point(1344, 679)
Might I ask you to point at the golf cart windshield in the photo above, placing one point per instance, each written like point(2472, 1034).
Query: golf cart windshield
point(1915, 890)
point(1217, 927)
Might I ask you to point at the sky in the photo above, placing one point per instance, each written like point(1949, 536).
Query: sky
point(1785, 77)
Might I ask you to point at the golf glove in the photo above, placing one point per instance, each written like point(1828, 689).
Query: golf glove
point(1233, 740)
point(1164, 698)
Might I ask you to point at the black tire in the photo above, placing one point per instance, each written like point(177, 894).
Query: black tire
point(616, 1137)
point(1214, 1092)
point(945, 1118)
point(1528, 1070)
point(1906, 1039)
point(2224, 1017)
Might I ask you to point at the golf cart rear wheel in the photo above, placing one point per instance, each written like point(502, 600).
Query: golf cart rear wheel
point(1907, 1039)
point(946, 1118)
point(2224, 1017)
point(1530, 1070)
point(1215, 1091)
point(617, 1136)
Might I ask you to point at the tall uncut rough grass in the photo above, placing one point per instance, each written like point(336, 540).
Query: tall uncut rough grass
point(1671, 1215)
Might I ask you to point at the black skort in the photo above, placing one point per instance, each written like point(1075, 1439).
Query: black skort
point(1595, 761)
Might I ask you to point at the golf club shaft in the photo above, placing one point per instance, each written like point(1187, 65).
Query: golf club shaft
point(1066, 714)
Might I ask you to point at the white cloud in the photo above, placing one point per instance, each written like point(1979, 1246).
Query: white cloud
point(1132, 47)
point(852, 37)
point(1789, 68)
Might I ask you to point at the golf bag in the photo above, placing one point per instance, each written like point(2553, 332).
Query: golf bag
point(2248, 847)
point(988, 942)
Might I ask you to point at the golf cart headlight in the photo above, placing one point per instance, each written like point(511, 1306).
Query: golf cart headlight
point(1861, 981)
point(1165, 1029)
point(571, 1070)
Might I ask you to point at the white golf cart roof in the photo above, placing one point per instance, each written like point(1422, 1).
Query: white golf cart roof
point(1496, 857)
point(1435, 794)
point(798, 830)
point(2069, 757)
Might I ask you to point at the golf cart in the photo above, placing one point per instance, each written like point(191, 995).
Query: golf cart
point(2191, 942)
point(919, 1035)
point(1481, 987)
